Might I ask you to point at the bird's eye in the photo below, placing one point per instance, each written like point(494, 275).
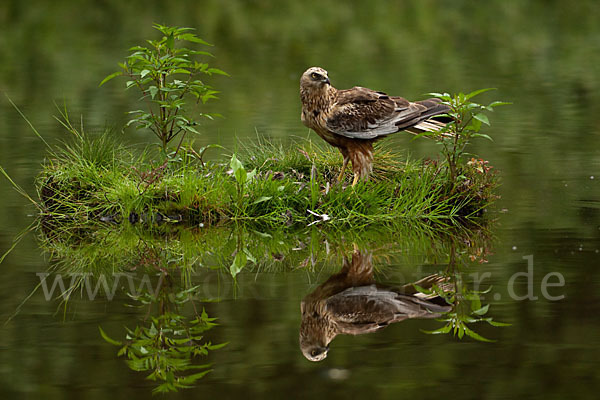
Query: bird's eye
point(315, 76)
point(315, 353)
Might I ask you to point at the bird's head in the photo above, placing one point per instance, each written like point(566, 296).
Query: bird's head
point(314, 78)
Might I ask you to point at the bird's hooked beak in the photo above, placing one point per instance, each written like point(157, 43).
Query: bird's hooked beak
point(326, 80)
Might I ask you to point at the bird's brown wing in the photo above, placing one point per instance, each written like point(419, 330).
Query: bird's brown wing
point(362, 113)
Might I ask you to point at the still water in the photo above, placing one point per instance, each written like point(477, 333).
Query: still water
point(545, 245)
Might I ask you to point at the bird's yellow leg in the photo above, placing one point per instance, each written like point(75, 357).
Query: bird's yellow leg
point(341, 176)
point(356, 178)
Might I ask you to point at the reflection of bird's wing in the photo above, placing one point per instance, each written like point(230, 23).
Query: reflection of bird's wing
point(368, 308)
point(362, 113)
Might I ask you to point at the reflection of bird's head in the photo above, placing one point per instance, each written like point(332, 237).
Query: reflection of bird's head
point(314, 78)
point(315, 353)
point(314, 338)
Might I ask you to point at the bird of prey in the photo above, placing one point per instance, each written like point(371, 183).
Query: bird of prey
point(351, 303)
point(353, 119)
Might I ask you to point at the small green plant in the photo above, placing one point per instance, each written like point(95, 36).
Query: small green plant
point(242, 179)
point(467, 118)
point(168, 75)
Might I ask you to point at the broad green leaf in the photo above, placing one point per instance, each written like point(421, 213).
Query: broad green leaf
point(153, 91)
point(217, 346)
point(443, 96)
point(193, 378)
point(471, 296)
point(476, 336)
point(190, 37)
point(482, 311)
point(251, 175)
point(191, 129)
point(467, 319)
point(216, 71)
point(483, 136)
point(263, 234)
point(472, 106)
point(111, 76)
point(475, 303)
point(238, 170)
point(482, 117)
point(461, 331)
point(200, 53)
point(444, 329)
point(476, 92)
point(262, 199)
point(489, 289)
point(496, 323)
point(249, 255)
point(170, 41)
point(498, 103)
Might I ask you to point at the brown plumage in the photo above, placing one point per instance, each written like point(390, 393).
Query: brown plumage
point(351, 303)
point(353, 119)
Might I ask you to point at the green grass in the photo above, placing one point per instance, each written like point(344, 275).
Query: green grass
point(91, 180)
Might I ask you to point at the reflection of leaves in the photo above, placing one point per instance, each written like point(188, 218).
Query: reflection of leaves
point(443, 329)
point(242, 256)
point(481, 311)
point(466, 309)
point(239, 262)
point(108, 339)
point(167, 349)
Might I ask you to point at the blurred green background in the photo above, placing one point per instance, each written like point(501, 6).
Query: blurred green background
point(544, 56)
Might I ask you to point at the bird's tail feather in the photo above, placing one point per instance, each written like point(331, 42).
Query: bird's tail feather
point(430, 125)
point(434, 107)
point(427, 122)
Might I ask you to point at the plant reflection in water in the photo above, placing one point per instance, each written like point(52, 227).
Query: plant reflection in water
point(169, 343)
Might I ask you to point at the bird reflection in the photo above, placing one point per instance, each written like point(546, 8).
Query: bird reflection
point(351, 303)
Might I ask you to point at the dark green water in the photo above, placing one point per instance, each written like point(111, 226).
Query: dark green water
point(543, 56)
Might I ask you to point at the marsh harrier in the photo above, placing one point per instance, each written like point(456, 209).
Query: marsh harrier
point(353, 119)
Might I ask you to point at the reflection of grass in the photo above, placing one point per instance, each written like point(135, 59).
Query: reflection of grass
point(94, 179)
point(166, 345)
point(184, 252)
